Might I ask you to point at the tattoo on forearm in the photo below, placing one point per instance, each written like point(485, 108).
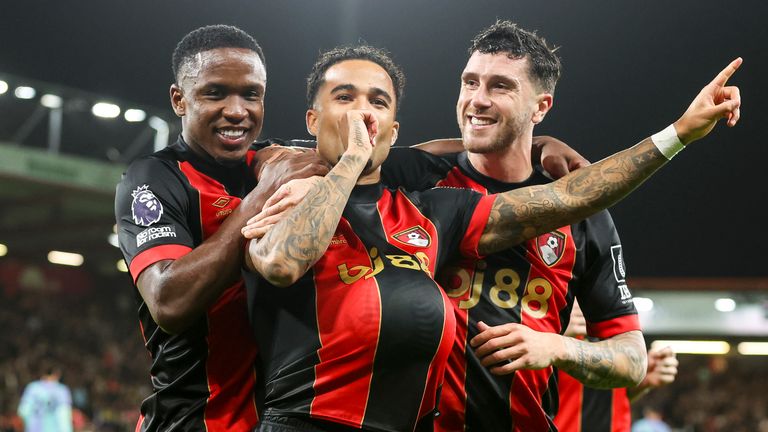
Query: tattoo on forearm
point(303, 236)
point(525, 213)
point(616, 362)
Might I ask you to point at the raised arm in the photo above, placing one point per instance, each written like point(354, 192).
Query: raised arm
point(299, 239)
point(524, 213)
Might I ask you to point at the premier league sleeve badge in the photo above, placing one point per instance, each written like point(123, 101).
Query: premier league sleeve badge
point(146, 209)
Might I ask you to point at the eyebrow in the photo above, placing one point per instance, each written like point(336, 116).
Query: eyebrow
point(228, 86)
point(494, 77)
point(374, 90)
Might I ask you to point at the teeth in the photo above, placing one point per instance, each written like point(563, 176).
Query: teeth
point(230, 133)
point(480, 122)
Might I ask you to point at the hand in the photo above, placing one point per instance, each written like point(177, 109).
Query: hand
point(278, 205)
point(280, 167)
point(557, 158)
point(577, 326)
point(715, 101)
point(275, 153)
point(357, 130)
point(662, 368)
point(510, 347)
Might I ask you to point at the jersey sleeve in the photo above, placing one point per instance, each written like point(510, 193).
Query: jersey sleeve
point(151, 208)
point(602, 292)
point(413, 169)
point(461, 216)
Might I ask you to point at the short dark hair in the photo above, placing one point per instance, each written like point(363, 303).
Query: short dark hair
point(379, 56)
point(517, 43)
point(212, 37)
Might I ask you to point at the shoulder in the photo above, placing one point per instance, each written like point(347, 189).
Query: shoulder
point(441, 196)
point(600, 223)
point(413, 155)
point(154, 164)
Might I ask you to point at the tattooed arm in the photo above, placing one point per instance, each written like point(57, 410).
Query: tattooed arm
point(298, 240)
point(524, 213)
point(619, 361)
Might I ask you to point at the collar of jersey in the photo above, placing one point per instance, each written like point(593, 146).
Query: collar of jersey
point(366, 193)
point(232, 176)
point(496, 186)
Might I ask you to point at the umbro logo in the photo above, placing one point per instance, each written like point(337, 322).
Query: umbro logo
point(221, 202)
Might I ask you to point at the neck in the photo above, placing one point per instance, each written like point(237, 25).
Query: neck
point(510, 165)
point(370, 177)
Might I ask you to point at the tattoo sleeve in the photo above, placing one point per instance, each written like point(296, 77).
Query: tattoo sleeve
point(620, 361)
point(295, 243)
point(524, 213)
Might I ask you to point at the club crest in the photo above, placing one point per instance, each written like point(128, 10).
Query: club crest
point(414, 236)
point(551, 247)
point(146, 209)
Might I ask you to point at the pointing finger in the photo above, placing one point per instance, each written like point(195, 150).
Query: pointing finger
point(726, 73)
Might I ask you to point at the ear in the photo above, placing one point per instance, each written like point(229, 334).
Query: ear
point(395, 129)
point(177, 100)
point(311, 119)
point(544, 104)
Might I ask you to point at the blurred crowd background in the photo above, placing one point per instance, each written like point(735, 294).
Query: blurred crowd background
point(87, 325)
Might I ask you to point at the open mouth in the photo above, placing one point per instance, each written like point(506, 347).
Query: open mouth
point(232, 136)
point(479, 122)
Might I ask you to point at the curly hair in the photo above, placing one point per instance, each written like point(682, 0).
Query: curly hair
point(329, 58)
point(517, 43)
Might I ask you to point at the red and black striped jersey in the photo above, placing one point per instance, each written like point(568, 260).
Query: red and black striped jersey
point(167, 204)
point(362, 338)
point(585, 409)
point(533, 284)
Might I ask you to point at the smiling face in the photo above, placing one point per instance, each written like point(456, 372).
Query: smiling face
point(220, 99)
point(353, 85)
point(498, 102)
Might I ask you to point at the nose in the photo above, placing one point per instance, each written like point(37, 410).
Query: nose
point(362, 103)
point(235, 110)
point(480, 98)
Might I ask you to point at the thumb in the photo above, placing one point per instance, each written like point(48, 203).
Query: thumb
point(482, 326)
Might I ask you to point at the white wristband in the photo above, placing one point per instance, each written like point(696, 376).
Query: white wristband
point(667, 142)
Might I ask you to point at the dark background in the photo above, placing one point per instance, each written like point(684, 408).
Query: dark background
point(630, 69)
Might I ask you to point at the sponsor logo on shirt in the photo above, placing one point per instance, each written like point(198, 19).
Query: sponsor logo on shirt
point(223, 213)
point(338, 240)
point(625, 294)
point(349, 275)
point(551, 247)
point(619, 270)
point(620, 273)
point(146, 209)
point(414, 236)
point(221, 202)
point(154, 233)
